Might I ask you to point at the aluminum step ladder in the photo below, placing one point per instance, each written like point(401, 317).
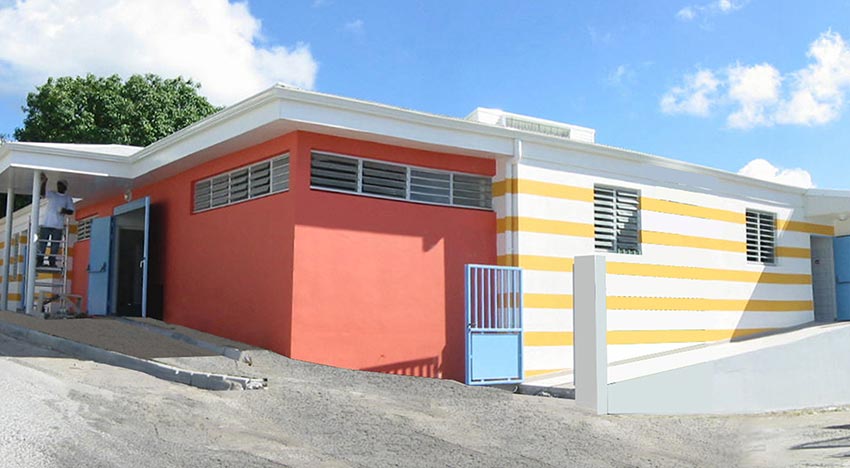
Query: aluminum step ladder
point(53, 299)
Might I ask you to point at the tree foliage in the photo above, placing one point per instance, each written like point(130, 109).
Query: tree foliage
point(105, 110)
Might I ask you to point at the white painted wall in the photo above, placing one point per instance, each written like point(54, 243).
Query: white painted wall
point(573, 169)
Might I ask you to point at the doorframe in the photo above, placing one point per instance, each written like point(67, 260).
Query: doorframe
point(138, 204)
point(834, 279)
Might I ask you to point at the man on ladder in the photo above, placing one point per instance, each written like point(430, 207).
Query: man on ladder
point(59, 205)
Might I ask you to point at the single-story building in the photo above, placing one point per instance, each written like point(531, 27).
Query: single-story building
point(336, 231)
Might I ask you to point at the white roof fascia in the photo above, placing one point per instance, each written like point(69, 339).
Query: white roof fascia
point(218, 128)
point(317, 110)
point(62, 160)
point(591, 149)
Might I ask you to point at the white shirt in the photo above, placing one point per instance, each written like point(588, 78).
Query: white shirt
point(51, 215)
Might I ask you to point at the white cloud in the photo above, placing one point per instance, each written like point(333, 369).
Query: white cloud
point(686, 14)
point(819, 89)
point(764, 170)
point(760, 95)
point(621, 74)
point(215, 42)
point(696, 97)
point(354, 27)
point(717, 7)
point(756, 90)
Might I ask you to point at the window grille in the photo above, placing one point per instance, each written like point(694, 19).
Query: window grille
point(397, 181)
point(616, 219)
point(761, 237)
point(245, 183)
point(84, 228)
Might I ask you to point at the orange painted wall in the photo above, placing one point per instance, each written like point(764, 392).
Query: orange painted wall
point(225, 271)
point(338, 279)
point(379, 283)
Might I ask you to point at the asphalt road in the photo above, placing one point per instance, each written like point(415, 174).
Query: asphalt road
point(58, 411)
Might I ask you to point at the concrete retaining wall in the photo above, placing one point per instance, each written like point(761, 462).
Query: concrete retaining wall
point(801, 369)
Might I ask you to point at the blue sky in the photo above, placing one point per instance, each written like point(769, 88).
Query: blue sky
point(714, 82)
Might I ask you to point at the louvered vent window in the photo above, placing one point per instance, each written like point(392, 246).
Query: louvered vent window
point(242, 184)
point(388, 180)
point(616, 219)
point(761, 237)
point(84, 229)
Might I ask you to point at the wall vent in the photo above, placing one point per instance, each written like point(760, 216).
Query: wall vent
point(530, 126)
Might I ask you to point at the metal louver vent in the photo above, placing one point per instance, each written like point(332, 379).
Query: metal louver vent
point(242, 184)
point(430, 186)
point(84, 229)
point(536, 127)
point(616, 220)
point(390, 180)
point(333, 172)
point(203, 195)
point(471, 191)
point(387, 180)
point(761, 237)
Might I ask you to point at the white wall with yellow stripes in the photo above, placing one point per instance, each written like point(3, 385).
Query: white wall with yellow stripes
point(20, 229)
point(690, 284)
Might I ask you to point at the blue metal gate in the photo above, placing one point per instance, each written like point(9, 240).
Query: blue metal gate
point(493, 325)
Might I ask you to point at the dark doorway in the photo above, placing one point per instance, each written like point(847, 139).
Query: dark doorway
point(129, 272)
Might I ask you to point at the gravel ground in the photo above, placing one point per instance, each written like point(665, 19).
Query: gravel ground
point(65, 412)
point(59, 411)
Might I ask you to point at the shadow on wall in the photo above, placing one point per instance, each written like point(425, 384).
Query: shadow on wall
point(427, 367)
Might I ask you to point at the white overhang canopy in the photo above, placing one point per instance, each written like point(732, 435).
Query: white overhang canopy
point(91, 170)
point(827, 205)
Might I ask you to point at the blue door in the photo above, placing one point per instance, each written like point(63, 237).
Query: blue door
point(841, 249)
point(100, 265)
point(139, 209)
point(493, 325)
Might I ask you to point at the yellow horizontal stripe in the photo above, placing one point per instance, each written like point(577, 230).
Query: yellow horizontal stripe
point(684, 209)
point(621, 337)
point(506, 260)
point(795, 252)
point(700, 304)
point(546, 226)
point(537, 262)
point(565, 301)
point(501, 187)
point(536, 372)
point(568, 228)
point(48, 276)
point(548, 189)
point(801, 226)
point(678, 336)
point(714, 274)
point(564, 264)
point(14, 297)
point(681, 240)
point(547, 338)
point(554, 190)
point(548, 301)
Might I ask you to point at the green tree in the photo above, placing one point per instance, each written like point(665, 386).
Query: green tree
point(105, 110)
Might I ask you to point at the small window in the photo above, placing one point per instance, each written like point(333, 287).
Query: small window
point(84, 228)
point(616, 219)
point(761, 237)
point(390, 180)
point(242, 184)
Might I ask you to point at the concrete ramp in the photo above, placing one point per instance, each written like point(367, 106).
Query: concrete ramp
point(803, 368)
